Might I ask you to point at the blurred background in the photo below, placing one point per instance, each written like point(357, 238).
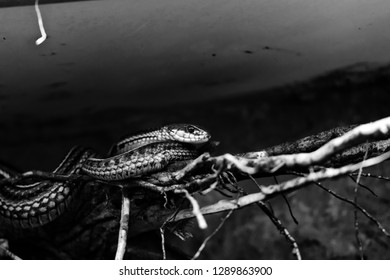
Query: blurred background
point(254, 73)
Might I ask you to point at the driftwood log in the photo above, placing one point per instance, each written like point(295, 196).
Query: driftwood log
point(146, 212)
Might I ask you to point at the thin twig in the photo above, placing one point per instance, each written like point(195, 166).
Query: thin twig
point(289, 209)
point(363, 186)
point(369, 175)
point(361, 209)
point(9, 254)
point(212, 187)
point(270, 213)
point(278, 223)
point(203, 245)
point(356, 218)
point(162, 234)
point(195, 208)
point(355, 205)
point(288, 204)
point(260, 187)
point(282, 229)
point(124, 226)
point(43, 37)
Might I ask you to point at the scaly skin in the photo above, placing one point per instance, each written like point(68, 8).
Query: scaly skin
point(135, 163)
point(38, 203)
point(184, 133)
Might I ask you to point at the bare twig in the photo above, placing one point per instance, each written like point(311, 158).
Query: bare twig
point(195, 208)
point(203, 245)
point(282, 229)
point(5, 252)
point(362, 210)
point(124, 226)
point(162, 234)
point(278, 224)
point(356, 218)
point(361, 185)
point(289, 209)
point(212, 187)
point(288, 204)
point(369, 175)
point(43, 37)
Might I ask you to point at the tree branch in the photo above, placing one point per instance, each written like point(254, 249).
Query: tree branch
point(271, 190)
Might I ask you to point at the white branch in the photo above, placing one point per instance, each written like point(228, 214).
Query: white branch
point(40, 24)
point(124, 226)
point(267, 191)
point(195, 208)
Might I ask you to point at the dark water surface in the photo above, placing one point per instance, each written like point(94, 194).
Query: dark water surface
point(105, 54)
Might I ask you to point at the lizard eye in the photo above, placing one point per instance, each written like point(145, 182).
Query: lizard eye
point(191, 129)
